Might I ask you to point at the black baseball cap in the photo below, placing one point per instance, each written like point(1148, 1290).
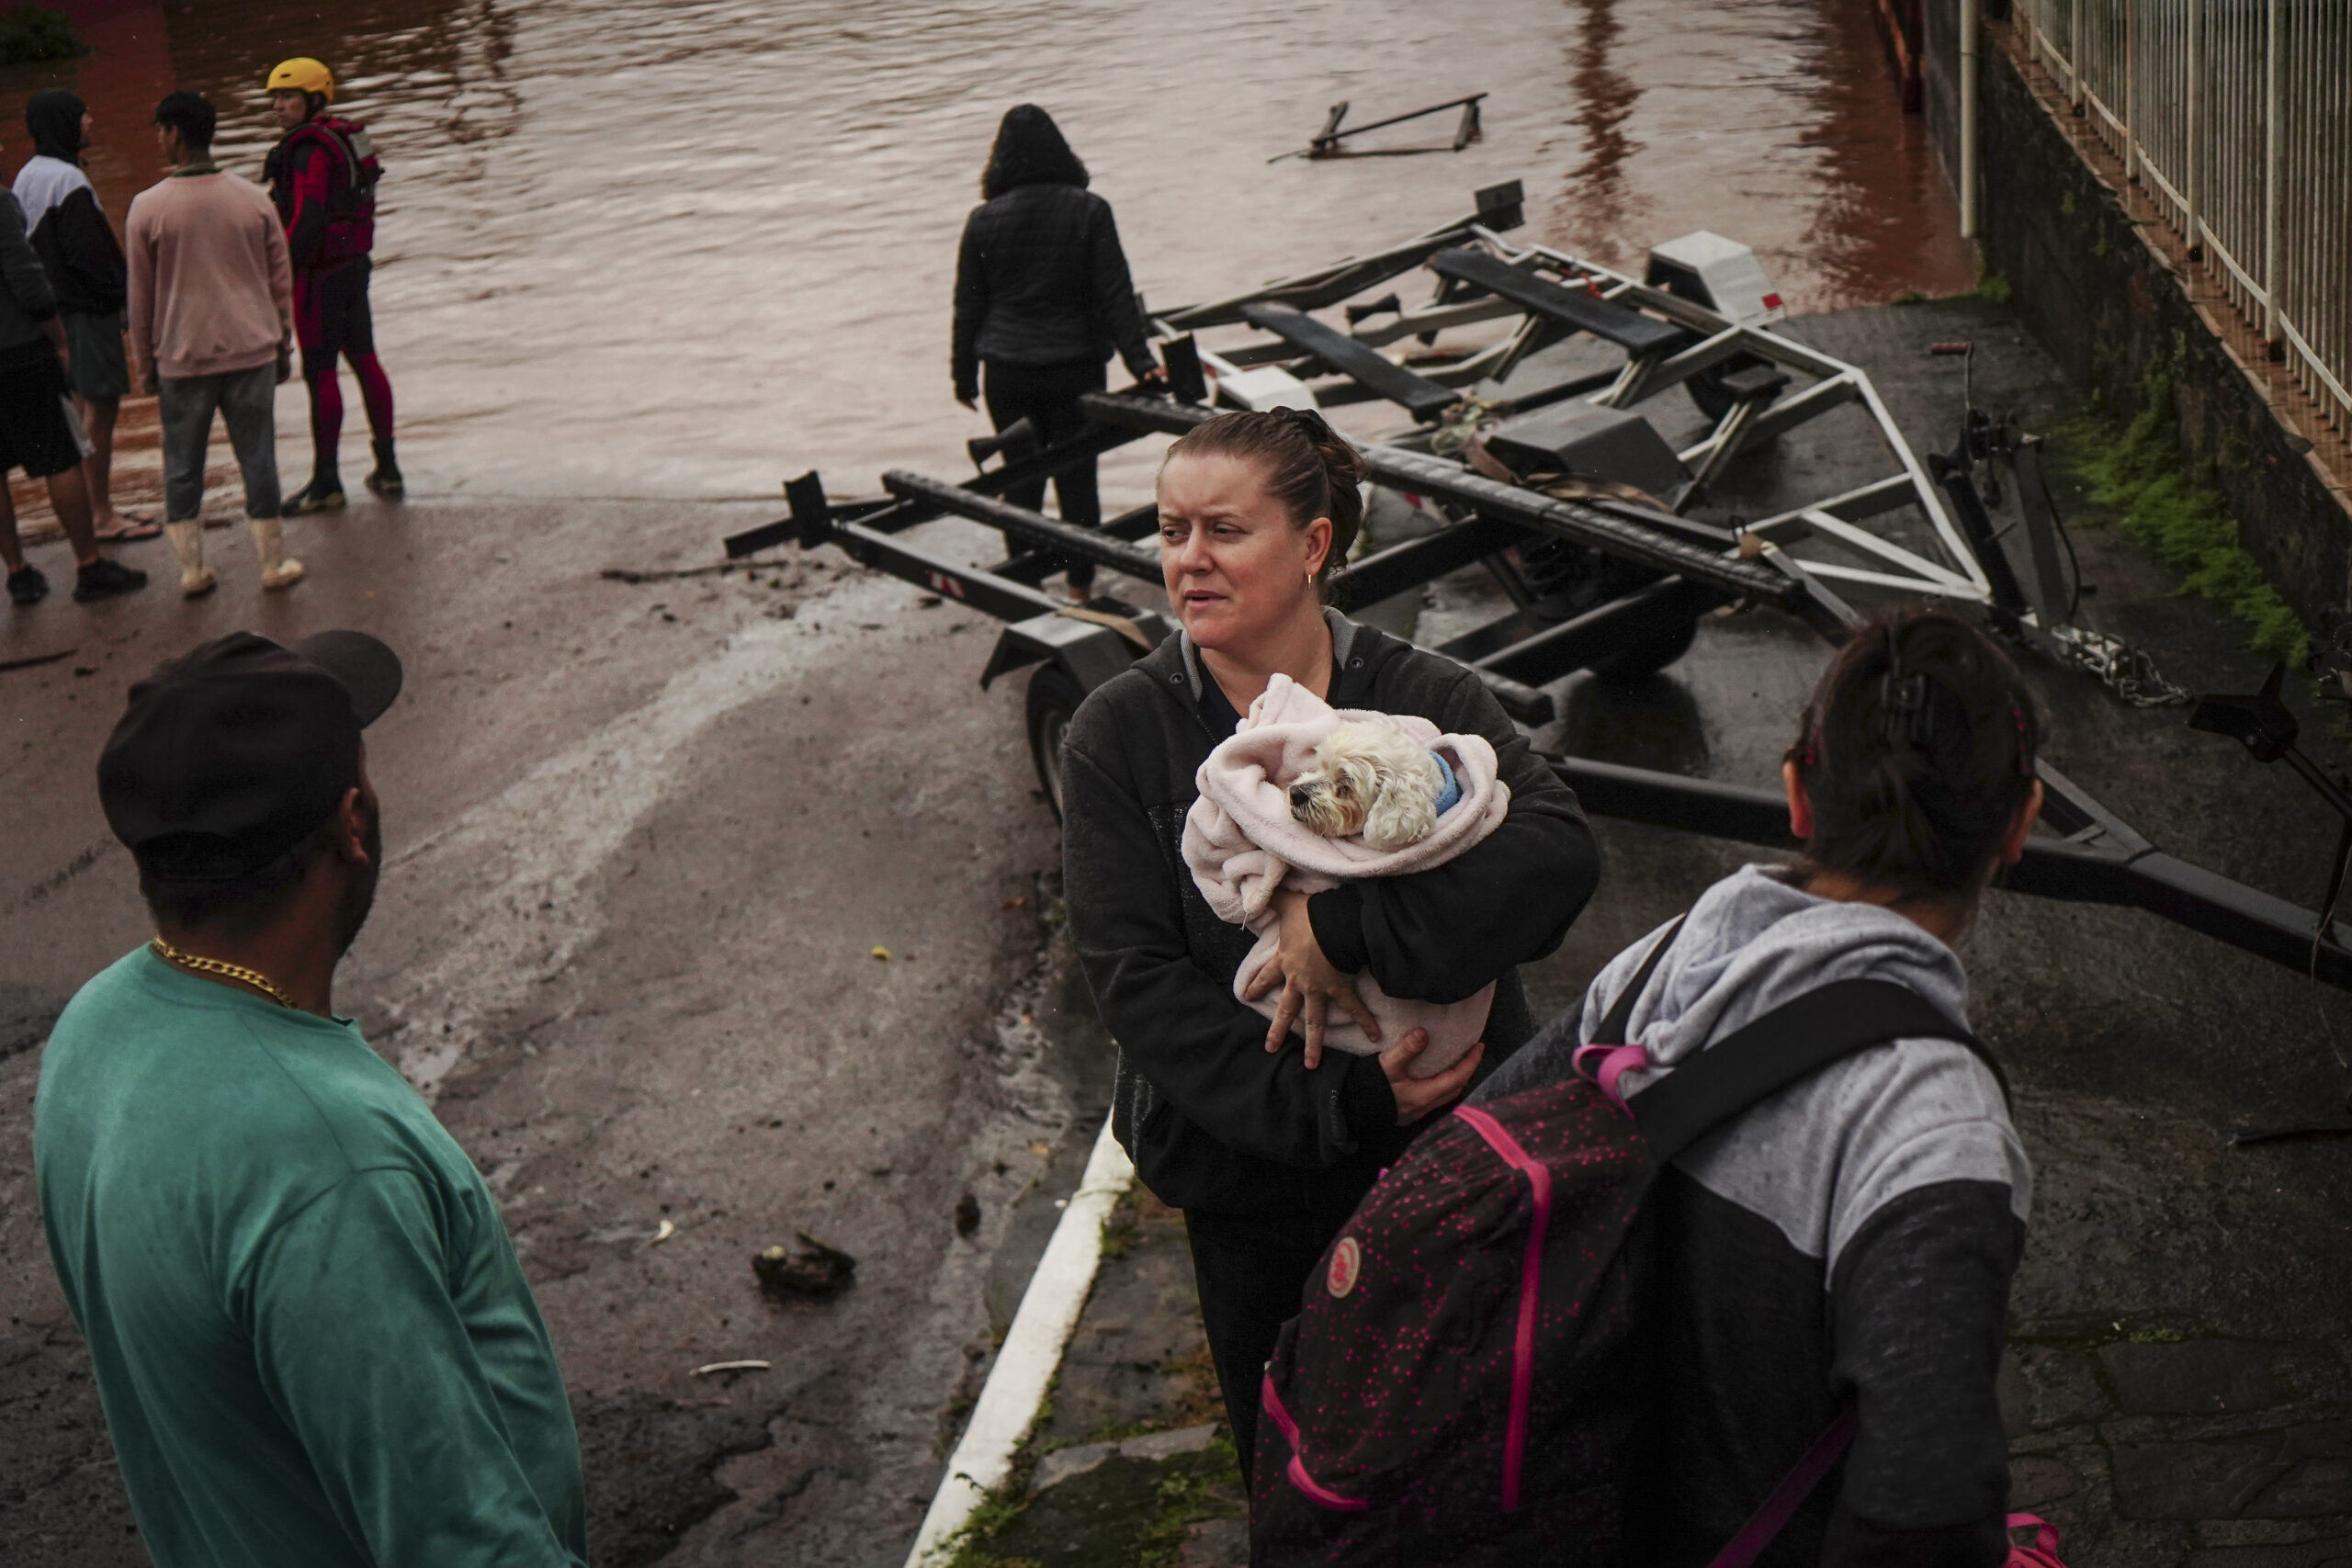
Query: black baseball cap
point(228, 755)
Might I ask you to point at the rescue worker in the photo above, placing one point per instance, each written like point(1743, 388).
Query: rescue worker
point(322, 174)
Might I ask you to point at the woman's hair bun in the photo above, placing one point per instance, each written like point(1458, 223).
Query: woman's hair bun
point(1916, 753)
point(1308, 466)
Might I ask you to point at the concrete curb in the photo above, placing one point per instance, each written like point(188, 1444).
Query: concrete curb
point(1031, 1355)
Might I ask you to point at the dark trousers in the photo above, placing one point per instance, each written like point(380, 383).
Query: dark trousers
point(1250, 1273)
point(1046, 396)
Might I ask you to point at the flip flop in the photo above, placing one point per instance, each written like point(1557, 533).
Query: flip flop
point(133, 529)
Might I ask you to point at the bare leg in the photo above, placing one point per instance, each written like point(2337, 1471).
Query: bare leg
point(99, 416)
point(71, 498)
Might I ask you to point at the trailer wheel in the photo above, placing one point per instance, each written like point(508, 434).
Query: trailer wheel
point(1649, 656)
point(1054, 696)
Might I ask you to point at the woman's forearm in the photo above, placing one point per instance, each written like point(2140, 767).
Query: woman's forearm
point(1176, 1024)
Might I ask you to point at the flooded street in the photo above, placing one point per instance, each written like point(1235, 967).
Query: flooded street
point(683, 249)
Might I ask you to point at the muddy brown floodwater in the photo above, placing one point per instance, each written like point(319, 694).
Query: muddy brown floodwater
point(652, 248)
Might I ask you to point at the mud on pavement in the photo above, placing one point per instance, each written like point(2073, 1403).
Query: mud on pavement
point(648, 843)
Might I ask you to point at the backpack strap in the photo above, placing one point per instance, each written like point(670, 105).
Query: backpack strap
point(1779, 1508)
point(1786, 1046)
point(1621, 1012)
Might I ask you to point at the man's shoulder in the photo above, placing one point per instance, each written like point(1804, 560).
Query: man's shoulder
point(144, 1045)
point(237, 188)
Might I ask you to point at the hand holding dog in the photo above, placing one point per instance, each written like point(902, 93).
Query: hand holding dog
point(1309, 984)
point(1416, 1098)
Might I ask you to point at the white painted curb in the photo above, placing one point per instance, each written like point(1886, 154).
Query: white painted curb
point(1032, 1351)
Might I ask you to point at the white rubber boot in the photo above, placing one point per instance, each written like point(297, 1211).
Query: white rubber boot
point(269, 543)
point(187, 543)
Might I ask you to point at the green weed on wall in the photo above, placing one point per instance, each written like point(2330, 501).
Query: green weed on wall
point(2141, 477)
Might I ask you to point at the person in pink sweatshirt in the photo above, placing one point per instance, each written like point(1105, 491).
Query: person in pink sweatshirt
point(211, 331)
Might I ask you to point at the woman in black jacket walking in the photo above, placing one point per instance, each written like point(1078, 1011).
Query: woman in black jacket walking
point(1267, 1148)
point(1042, 298)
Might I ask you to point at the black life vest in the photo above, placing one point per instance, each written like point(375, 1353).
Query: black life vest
point(352, 172)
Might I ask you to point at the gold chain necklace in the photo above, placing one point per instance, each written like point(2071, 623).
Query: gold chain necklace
point(254, 977)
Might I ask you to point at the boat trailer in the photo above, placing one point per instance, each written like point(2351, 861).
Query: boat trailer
point(1603, 576)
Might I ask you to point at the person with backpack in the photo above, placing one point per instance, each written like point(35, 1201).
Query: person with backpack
point(322, 175)
point(85, 265)
point(1716, 1271)
point(40, 432)
point(1267, 1146)
point(1042, 299)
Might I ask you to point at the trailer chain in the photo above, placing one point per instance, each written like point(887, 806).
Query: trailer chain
point(2126, 670)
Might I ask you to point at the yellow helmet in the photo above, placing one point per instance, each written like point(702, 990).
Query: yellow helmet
point(302, 75)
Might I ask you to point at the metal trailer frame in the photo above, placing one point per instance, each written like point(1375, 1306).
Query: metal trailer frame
point(1684, 566)
point(1756, 383)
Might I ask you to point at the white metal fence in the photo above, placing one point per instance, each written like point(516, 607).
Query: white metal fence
point(2236, 117)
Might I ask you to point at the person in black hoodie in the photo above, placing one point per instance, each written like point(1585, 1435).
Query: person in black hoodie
point(1042, 298)
point(1266, 1147)
point(78, 250)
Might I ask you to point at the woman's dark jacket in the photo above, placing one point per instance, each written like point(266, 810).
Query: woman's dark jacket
point(1211, 1118)
point(1041, 280)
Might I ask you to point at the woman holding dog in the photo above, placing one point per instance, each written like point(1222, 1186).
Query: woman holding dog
point(1265, 1143)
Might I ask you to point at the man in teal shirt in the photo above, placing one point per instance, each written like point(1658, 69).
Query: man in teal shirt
point(313, 1341)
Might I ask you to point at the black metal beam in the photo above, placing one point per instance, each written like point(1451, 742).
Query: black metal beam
point(1498, 208)
point(1589, 640)
point(1399, 569)
point(2148, 879)
point(1029, 527)
point(2008, 595)
point(1086, 444)
point(1035, 566)
point(1368, 367)
point(1571, 308)
point(1435, 477)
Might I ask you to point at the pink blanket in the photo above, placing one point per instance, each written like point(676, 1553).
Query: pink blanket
point(1242, 843)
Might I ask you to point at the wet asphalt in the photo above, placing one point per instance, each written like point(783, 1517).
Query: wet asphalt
point(646, 837)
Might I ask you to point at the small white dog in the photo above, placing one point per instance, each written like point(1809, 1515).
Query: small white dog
point(1370, 778)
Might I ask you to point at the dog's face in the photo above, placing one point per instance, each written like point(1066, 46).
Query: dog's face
point(1371, 779)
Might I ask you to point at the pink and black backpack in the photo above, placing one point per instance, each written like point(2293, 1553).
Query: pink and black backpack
point(1466, 1380)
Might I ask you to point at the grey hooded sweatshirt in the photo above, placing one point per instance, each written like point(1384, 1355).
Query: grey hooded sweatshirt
point(1849, 1240)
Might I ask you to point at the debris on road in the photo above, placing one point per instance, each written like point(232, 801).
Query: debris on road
point(1327, 142)
point(811, 1269)
point(668, 1229)
point(883, 954)
point(967, 1214)
point(37, 659)
point(670, 574)
point(706, 1370)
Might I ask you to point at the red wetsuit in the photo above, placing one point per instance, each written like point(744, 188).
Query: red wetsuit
point(331, 319)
